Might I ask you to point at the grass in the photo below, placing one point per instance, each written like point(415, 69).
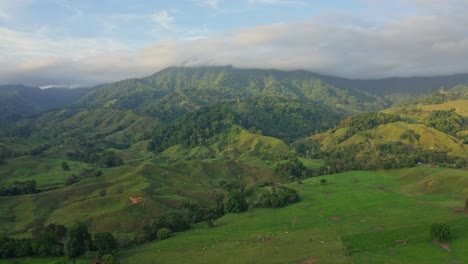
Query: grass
point(356, 217)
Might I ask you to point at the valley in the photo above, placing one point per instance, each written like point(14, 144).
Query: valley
point(217, 154)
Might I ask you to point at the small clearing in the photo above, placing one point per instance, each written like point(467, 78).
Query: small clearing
point(311, 261)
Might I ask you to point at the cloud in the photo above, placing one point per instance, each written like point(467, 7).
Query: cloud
point(163, 19)
point(214, 4)
point(275, 2)
point(421, 43)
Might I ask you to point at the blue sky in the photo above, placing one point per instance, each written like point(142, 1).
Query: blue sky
point(85, 42)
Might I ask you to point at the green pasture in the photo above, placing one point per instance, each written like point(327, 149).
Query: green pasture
point(356, 217)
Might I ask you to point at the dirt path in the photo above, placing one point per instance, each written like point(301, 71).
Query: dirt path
point(311, 261)
point(445, 246)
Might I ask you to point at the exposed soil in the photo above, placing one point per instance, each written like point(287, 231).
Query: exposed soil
point(311, 261)
point(379, 228)
point(431, 183)
point(335, 218)
point(392, 253)
point(445, 246)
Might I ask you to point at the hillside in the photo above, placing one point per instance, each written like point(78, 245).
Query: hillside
point(192, 145)
point(400, 136)
point(17, 101)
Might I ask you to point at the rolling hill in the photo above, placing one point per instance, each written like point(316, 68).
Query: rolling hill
point(170, 149)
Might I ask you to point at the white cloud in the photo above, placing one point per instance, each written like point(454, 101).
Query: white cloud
point(423, 43)
point(274, 2)
point(214, 4)
point(163, 19)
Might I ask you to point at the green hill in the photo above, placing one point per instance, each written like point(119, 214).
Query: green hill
point(17, 101)
point(170, 150)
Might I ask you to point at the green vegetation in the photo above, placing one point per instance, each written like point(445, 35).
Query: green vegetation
point(164, 233)
point(78, 240)
point(198, 163)
point(446, 121)
point(441, 233)
point(17, 188)
point(366, 121)
point(278, 197)
point(291, 170)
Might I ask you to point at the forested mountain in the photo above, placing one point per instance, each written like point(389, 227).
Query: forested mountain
point(183, 89)
point(433, 130)
point(401, 88)
point(17, 101)
point(187, 145)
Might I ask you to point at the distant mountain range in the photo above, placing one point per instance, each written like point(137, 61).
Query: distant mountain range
point(17, 101)
point(174, 91)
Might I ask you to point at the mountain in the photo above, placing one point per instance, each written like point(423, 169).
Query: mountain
point(401, 88)
point(433, 130)
point(17, 101)
point(188, 145)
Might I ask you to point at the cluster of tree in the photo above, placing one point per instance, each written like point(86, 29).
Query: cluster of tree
point(382, 156)
point(447, 121)
point(173, 221)
point(85, 173)
point(297, 118)
point(106, 159)
point(57, 240)
point(410, 135)
point(291, 170)
point(366, 121)
point(195, 213)
point(279, 196)
point(458, 92)
point(19, 188)
point(39, 149)
point(194, 129)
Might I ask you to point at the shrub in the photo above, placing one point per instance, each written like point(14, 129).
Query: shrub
point(236, 203)
point(164, 233)
point(441, 233)
point(323, 181)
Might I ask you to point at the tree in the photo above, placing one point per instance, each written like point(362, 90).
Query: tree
point(163, 233)
point(441, 233)
point(72, 180)
point(65, 166)
point(292, 170)
point(466, 206)
point(78, 240)
point(105, 243)
point(236, 203)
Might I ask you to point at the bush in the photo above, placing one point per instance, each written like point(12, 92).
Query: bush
point(279, 197)
point(323, 181)
point(441, 233)
point(164, 233)
point(236, 203)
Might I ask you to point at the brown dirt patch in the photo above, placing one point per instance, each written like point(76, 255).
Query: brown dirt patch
point(379, 228)
point(392, 253)
point(445, 246)
point(311, 261)
point(335, 218)
point(431, 183)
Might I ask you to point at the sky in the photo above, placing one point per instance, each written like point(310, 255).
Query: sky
point(87, 42)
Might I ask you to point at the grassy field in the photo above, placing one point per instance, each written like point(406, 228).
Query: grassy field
point(357, 217)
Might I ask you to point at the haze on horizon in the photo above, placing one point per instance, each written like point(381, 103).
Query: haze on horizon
point(73, 43)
